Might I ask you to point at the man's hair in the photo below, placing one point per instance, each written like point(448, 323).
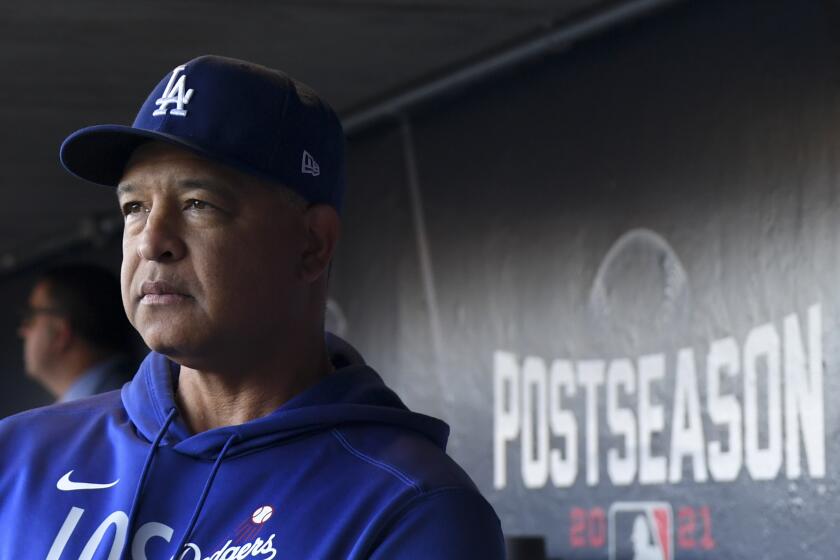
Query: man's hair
point(88, 296)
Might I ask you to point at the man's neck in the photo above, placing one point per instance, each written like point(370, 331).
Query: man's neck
point(72, 366)
point(214, 399)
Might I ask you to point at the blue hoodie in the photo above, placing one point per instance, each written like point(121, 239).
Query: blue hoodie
point(342, 470)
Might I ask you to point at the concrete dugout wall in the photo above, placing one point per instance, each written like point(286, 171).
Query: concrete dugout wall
point(614, 272)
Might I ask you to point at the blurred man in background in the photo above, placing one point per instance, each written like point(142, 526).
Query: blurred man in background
point(76, 338)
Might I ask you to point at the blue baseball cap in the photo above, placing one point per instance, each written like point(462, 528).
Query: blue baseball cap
point(237, 113)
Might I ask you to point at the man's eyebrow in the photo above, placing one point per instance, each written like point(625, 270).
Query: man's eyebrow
point(210, 185)
point(204, 184)
point(124, 188)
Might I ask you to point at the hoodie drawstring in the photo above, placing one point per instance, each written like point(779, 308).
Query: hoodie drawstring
point(135, 502)
point(200, 505)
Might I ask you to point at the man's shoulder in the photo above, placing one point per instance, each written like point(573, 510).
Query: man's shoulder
point(440, 508)
point(404, 454)
point(59, 420)
point(102, 403)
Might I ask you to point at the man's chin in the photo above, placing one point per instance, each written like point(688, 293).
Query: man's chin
point(166, 342)
point(178, 349)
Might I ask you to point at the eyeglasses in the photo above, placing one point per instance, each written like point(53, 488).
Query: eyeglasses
point(28, 314)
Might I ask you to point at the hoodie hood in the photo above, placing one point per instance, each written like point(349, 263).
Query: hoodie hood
point(353, 393)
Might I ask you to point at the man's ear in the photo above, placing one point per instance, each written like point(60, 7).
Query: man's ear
point(61, 334)
point(323, 227)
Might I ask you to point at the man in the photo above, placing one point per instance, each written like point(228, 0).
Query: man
point(243, 435)
point(76, 339)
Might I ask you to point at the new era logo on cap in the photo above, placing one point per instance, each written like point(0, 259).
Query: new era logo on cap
point(309, 166)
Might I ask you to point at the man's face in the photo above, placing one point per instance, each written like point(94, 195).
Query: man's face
point(211, 257)
point(39, 330)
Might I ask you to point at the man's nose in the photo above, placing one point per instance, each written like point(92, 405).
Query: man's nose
point(161, 238)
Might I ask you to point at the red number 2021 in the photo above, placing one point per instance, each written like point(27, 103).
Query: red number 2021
point(588, 528)
point(694, 528)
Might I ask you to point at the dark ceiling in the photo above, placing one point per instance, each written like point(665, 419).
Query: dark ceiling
point(69, 64)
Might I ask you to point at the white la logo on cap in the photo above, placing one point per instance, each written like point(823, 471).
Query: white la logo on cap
point(174, 93)
point(309, 166)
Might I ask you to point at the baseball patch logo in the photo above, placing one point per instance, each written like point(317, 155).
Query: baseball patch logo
point(641, 531)
point(262, 514)
point(254, 525)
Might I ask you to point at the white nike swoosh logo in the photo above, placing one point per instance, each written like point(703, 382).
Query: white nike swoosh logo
point(65, 484)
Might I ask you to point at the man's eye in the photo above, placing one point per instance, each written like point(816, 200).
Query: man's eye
point(197, 205)
point(132, 208)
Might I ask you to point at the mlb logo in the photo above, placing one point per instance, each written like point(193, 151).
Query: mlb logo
point(641, 531)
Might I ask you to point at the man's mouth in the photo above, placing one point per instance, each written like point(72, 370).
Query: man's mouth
point(161, 293)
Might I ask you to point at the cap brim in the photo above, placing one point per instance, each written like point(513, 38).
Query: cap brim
point(100, 153)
